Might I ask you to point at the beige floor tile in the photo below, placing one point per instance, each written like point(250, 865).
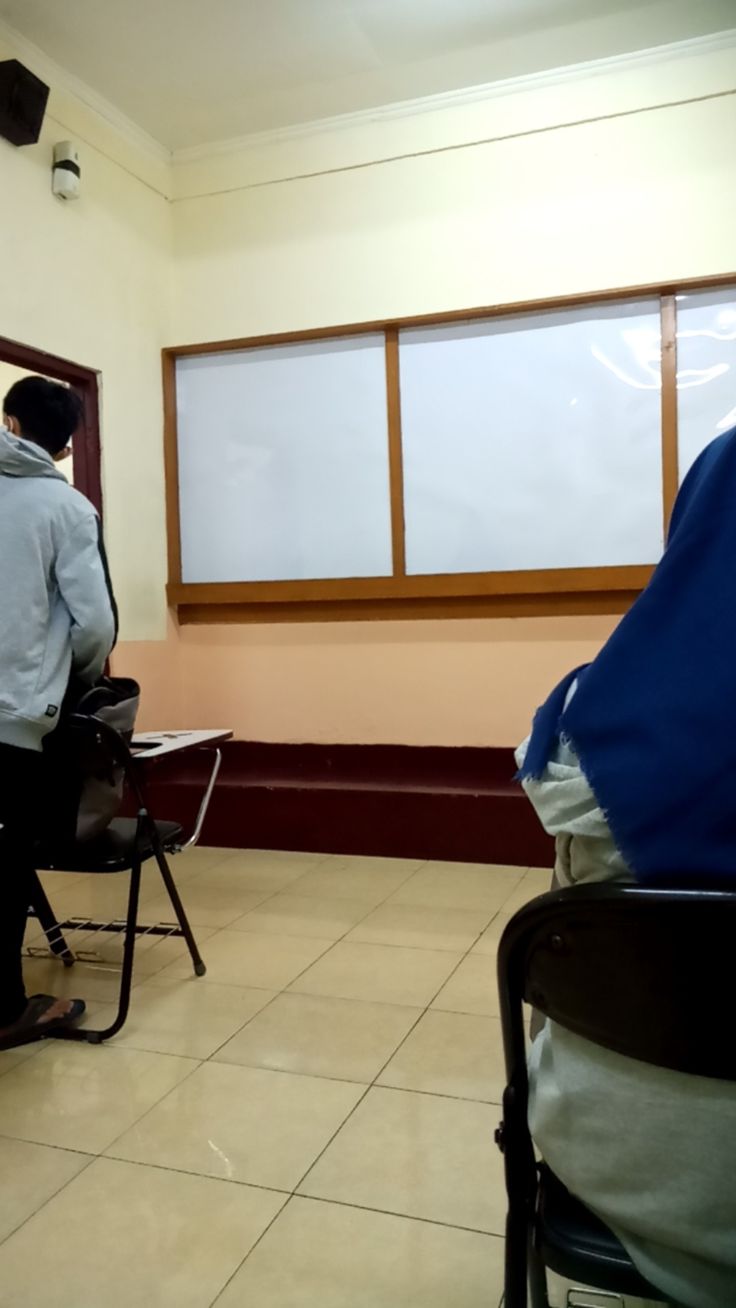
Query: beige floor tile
point(279, 858)
point(12, 1057)
point(459, 885)
point(533, 883)
point(301, 915)
point(29, 1175)
point(105, 898)
point(81, 1096)
point(93, 892)
point(321, 1037)
point(231, 878)
point(241, 1124)
point(240, 958)
point(54, 882)
point(182, 868)
point(419, 927)
point(417, 1155)
point(381, 973)
point(91, 982)
point(472, 988)
point(370, 880)
point(154, 953)
point(174, 1018)
point(205, 904)
point(489, 941)
point(268, 871)
point(102, 898)
point(200, 858)
point(321, 1255)
point(451, 1054)
point(121, 1235)
point(404, 867)
point(152, 880)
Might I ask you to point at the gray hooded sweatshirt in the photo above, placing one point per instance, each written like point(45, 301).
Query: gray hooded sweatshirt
point(57, 612)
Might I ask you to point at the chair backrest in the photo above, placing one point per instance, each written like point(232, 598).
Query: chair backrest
point(646, 973)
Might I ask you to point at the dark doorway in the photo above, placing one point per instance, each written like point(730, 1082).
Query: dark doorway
point(85, 381)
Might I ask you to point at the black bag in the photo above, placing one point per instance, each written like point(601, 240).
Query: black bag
point(86, 786)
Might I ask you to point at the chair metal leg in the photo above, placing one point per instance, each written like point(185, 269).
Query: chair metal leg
point(44, 912)
point(207, 796)
point(515, 1257)
point(126, 976)
point(537, 1277)
point(520, 1175)
point(163, 866)
point(96, 1037)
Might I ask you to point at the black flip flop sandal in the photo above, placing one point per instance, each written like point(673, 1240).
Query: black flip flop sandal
point(30, 1027)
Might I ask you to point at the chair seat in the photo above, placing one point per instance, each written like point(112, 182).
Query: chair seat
point(113, 851)
point(574, 1243)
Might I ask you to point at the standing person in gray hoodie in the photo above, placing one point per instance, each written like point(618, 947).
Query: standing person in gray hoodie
point(57, 618)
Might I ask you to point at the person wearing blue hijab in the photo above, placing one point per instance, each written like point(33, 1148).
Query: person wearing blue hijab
point(631, 765)
point(653, 719)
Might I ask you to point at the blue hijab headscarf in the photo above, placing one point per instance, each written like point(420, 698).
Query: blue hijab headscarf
point(653, 719)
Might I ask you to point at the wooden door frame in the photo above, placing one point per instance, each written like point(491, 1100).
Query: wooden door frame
point(85, 381)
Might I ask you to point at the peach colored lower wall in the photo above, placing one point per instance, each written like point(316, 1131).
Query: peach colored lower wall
point(473, 682)
point(156, 664)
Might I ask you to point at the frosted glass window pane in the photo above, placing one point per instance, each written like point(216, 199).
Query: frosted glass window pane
point(533, 441)
point(706, 371)
point(283, 462)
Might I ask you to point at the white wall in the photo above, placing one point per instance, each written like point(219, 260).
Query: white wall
point(90, 280)
point(616, 202)
point(9, 375)
point(562, 186)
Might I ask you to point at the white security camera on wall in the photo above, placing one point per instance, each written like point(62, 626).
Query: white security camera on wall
point(66, 174)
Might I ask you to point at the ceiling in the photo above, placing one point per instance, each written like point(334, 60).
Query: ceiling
point(192, 72)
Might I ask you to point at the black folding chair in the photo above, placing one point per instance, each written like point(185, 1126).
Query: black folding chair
point(125, 846)
point(636, 971)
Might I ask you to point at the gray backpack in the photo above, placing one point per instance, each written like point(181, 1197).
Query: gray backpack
point(88, 785)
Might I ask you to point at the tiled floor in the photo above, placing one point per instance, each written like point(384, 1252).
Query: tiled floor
point(309, 1126)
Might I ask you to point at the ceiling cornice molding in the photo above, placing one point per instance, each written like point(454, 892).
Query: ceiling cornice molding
point(59, 78)
point(458, 99)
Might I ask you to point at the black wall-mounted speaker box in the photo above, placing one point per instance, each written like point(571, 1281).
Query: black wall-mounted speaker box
point(23, 99)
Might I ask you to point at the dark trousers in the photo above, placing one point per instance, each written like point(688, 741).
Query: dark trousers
point(21, 800)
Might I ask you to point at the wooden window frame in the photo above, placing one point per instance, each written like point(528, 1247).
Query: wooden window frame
point(539, 592)
point(85, 381)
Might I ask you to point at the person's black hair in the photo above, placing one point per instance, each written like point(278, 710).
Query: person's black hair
point(46, 411)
